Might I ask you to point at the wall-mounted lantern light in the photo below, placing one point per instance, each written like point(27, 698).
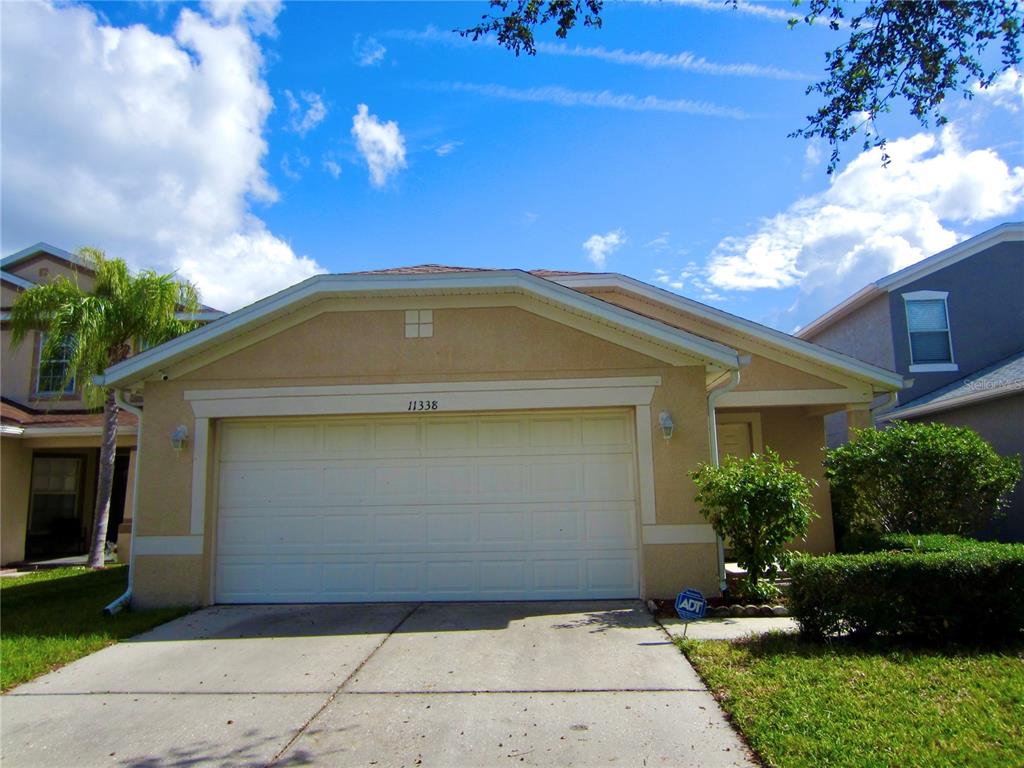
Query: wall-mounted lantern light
point(665, 422)
point(178, 438)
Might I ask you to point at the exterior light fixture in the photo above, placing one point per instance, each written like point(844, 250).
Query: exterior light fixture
point(178, 438)
point(665, 422)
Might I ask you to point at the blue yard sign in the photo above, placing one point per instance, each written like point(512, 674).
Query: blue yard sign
point(691, 605)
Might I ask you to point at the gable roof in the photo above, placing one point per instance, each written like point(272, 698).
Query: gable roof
point(20, 282)
point(450, 282)
point(998, 380)
point(1008, 232)
point(50, 250)
point(882, 378)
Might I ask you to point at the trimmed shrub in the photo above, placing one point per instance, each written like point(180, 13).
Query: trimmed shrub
point(760, 504)
point(856, 543)
point(971, 592)
point(919, 478)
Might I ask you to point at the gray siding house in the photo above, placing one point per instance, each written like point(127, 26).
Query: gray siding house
point(953, 325)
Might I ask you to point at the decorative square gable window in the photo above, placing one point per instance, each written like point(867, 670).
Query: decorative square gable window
point(931, 346)
point(53, 370)
point(419, 323)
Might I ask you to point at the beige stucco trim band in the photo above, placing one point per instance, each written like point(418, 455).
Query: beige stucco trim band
point(696, 533)
point(200, 445)
point(443, 397)
point(763, 398)
point(168, 545)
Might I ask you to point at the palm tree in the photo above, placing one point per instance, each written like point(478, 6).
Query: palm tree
point(96, 329)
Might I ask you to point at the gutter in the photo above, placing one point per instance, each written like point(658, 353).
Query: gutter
point(713, 396)
point(119, 603)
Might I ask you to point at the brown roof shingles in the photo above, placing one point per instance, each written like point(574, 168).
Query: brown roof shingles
point(21, 415)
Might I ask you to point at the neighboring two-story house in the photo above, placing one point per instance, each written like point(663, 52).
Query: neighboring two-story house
point(49, 440)
point(954, 325)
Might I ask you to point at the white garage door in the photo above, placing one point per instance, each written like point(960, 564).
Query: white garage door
point(486, 507)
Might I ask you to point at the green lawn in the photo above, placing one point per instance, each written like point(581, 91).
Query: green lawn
point(49, 618)
point(815, 705)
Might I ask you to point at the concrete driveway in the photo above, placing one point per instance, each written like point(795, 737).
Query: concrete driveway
point(465, 684)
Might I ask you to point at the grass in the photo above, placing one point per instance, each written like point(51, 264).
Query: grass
point(50, 618)
point(813, 704)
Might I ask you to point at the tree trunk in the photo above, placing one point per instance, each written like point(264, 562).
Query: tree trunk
point(105, 483)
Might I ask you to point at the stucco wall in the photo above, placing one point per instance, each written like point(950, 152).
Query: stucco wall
point(1001, 423)
point(865, 334)
point(15, 471)
point(800, 437)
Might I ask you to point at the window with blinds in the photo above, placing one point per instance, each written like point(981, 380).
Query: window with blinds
point(928, 323)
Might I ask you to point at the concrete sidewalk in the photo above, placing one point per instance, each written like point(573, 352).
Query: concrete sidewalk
point(480, 684)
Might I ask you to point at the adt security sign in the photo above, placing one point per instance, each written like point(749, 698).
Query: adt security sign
point(691, 605)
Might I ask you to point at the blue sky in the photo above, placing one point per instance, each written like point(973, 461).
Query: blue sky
point(227, 141)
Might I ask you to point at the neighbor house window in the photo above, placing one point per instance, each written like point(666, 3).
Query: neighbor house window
point(50, 379)
point(931, 347)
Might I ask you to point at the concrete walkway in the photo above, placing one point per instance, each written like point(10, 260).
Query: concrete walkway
point(463, 684)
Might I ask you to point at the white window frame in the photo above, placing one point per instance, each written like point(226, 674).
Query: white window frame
point(929, 296)
point(68, 390)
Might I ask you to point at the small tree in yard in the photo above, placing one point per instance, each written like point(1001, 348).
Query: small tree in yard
point(760, 504)
point(920, 478)
point(96, 329)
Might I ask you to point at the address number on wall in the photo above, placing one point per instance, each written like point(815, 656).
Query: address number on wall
point(422, 405)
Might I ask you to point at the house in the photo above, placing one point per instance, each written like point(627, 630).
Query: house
point(49, 441)
point(954, 323)
point(439, 433)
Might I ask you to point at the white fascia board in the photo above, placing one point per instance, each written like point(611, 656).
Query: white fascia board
point(937, 406)
point(1008, 232)
point(10, 430)
point(839, 311)
point(883, 379)
point(205, 316)
point(51, 250)
point(324, 286)
point(9, 277)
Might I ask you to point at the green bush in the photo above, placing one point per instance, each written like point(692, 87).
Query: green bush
point(855, 543)
point(972, 592)
point(760, 504)
point(919, 478)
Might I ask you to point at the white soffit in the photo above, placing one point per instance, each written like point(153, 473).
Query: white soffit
point(881, 378)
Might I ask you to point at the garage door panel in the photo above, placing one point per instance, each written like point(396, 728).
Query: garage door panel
point(427, 507)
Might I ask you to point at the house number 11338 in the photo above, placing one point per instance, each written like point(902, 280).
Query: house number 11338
point(422, 405)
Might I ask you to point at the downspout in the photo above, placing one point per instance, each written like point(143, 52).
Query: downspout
point(119, 603)
point(713, 395)
point(884, 407)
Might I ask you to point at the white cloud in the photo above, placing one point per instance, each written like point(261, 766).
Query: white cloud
point(684, 61)
point(565, 97)
point(1006, 91)
point(871, 221)
point(600, 247)
point(305, 119)
point(751, 9)
point(447, 148)
point(332, 166)
point(368, 52)
point(690, 278)
point(381, 145)
point(258, 15)
point(151, 148)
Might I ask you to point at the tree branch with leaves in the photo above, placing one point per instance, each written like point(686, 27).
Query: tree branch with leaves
point(918, 51)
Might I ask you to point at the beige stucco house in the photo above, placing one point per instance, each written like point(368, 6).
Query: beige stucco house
point(49, 443)
point(437, 433)
point(49, 440)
